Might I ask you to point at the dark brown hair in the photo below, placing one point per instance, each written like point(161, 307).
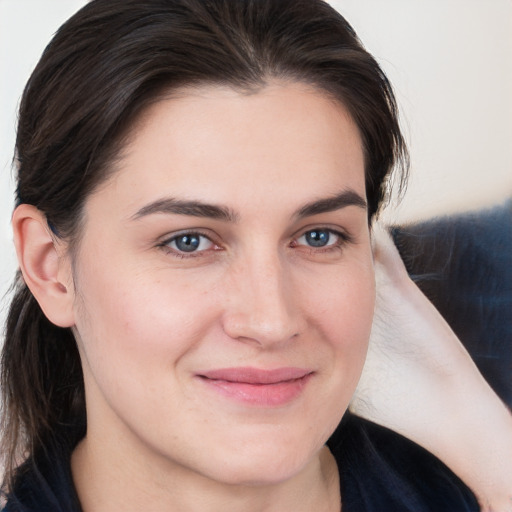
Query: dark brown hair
point(101, 70)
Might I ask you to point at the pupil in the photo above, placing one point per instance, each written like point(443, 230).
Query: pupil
point(187, 243)
point(317, 238)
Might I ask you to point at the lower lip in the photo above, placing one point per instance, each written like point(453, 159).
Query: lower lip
point(266, 395)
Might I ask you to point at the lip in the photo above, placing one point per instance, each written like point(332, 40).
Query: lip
point(259, 387)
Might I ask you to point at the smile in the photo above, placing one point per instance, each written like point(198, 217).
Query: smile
point(252, 386)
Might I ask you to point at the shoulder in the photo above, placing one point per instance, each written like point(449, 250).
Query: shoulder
point(382, 471)
point(44, 484)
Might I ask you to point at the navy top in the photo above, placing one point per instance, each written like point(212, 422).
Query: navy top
point(379, 471)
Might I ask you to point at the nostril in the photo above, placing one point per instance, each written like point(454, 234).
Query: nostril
point(264, 330)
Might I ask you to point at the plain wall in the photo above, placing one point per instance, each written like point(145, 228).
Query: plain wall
point(449, 60)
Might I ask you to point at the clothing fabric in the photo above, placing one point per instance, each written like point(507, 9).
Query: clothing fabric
point(380, 471)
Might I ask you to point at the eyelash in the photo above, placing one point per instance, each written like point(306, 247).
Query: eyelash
point(343, 239)
point(165, 245)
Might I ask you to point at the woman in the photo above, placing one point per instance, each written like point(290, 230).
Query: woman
point(196, 183)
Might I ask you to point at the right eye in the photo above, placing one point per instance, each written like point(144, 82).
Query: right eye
point(186, 243)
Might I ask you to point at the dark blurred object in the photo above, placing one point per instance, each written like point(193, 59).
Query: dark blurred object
point(463, 264)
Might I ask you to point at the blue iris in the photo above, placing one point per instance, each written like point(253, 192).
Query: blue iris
point(317, 237)
point(187, 243)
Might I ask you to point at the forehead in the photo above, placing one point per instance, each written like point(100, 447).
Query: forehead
point(287, 141)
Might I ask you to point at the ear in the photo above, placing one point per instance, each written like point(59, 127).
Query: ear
point(45, 264)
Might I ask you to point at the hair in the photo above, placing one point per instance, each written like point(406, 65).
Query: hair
point(104, 66)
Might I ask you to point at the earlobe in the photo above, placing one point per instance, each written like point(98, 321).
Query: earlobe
point(44, 264)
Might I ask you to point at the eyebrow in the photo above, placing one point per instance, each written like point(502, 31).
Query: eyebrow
point(331, 204)
point(171, 205)
point(192, 208)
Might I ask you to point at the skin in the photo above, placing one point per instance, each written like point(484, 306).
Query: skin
point(149, 319)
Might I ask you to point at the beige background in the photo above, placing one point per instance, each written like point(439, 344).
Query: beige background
point(449, 60)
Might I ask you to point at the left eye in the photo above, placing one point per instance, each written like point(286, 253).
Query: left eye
point(319, 238)
point(190, 242)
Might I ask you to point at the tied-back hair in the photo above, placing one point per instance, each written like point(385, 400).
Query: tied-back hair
point(101, 70)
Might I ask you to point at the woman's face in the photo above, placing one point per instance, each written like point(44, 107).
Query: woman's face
point(224, 284)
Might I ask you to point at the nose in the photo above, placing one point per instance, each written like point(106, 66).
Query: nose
point(262, 304)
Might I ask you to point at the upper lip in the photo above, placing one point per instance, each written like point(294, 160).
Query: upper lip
point(250, 375)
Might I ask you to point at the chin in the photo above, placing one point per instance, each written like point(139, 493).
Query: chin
point(262, 464)
point(270, 473)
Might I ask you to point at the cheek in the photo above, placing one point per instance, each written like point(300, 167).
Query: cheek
point(340, 313)
point(141, 326)
point(343, 312)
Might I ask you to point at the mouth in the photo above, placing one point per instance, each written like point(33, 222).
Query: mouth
point(258, 387)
